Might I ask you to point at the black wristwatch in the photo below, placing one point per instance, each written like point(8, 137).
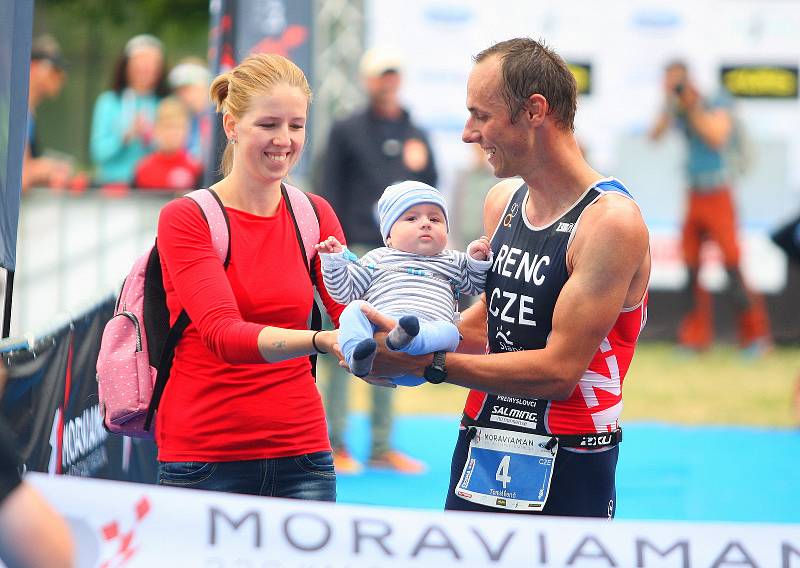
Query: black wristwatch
point(436, 372)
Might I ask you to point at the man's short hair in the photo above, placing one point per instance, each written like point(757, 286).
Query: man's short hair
point(530, 67)
point(46, 48)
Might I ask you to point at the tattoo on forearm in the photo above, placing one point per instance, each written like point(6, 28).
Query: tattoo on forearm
point(280, 344)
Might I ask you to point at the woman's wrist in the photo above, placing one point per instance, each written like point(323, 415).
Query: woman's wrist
point(315, 345)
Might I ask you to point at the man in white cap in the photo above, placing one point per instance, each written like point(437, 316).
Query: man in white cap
point(368, 151)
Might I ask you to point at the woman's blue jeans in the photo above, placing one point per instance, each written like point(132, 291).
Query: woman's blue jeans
point(308, 476)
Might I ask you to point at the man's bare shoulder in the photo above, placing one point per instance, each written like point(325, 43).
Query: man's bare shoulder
point(496, 201)
point(611, 225)
point(614, 210)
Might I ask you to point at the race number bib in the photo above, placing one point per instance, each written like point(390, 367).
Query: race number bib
point(508, 470)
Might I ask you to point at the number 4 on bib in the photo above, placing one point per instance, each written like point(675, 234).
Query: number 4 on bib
point(502, 471)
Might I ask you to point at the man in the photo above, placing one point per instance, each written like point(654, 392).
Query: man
point(564, 304)
point(368, 151)
point(47, 77)
point(710, 133)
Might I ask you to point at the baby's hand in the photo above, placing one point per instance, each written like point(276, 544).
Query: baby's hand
point(480, 249)
point(329, 245)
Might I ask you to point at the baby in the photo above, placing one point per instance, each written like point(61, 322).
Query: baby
point(414, 278)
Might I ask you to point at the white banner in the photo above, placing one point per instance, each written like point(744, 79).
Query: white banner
point(625, 46)
point(125, 524)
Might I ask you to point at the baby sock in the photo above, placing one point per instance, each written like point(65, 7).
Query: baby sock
point(363, 356)
point(403, 333)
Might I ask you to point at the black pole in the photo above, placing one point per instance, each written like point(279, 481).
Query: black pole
point(8, 290)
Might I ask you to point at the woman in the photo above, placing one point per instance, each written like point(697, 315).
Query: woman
point(122, 123)
point(241, 412)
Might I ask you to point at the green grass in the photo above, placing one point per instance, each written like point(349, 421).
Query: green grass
point(718, 387)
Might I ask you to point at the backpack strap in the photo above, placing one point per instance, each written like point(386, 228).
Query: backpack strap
point(213, 212)
point(305, 219)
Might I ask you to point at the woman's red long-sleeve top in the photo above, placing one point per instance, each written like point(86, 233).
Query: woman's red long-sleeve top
point(223, 402)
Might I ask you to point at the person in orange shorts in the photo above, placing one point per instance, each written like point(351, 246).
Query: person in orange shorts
point(710, 131)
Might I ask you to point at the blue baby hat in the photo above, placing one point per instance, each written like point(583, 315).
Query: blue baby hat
point(400, 196)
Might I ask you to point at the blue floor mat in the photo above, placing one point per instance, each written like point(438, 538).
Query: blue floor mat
point(665, 471)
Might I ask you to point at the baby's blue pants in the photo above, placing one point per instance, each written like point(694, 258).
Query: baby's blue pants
point(354, 327)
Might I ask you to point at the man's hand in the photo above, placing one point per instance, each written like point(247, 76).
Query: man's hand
point(388, 363)
point(689, 98)
point(373, 380)
point(415, 155)
point(329, 245)
point(380, 321)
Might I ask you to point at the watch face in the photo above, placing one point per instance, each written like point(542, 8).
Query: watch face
point(434, 374)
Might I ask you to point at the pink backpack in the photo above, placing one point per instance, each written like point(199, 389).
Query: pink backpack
point(138, 344)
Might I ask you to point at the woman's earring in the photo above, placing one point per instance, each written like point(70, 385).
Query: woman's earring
point(232, 140)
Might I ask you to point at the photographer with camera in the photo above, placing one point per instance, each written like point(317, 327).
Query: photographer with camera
point(710, 131)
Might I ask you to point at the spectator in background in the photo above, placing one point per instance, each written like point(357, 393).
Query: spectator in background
point(189, 81)
point(47, 76)
point(710, 131)
point(171, 166)
point(368, 151)
point(32, 534)
point(122, 123)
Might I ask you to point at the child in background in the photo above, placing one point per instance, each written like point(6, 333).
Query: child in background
point(413, 278)
point(170, 167)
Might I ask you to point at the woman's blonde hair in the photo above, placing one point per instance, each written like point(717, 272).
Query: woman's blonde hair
point(231, 92)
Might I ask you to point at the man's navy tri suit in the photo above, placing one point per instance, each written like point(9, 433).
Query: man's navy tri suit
point(522, 287)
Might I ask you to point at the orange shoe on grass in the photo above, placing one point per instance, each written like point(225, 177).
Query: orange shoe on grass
point(344, 463)
point(397, 461)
